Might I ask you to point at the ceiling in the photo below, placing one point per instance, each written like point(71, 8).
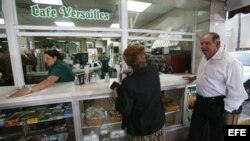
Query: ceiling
point(139, 20)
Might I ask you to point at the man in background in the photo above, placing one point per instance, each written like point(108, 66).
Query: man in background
point(6, 69)
point(105, 64)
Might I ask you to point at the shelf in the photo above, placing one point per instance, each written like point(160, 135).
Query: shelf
point(105, 124)
point(168, 113)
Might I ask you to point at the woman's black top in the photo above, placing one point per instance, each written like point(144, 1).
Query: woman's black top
point(139, 101)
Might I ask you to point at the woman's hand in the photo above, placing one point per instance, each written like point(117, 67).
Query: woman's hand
point(115, 92)
point(20, 92)
point(190, 79)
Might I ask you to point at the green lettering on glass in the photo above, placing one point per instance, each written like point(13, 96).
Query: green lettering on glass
point(65, 11)
point(47, 12)
point(69, 12)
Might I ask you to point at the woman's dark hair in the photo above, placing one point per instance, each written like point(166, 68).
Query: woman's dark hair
point(135, 56)
point(54, 53)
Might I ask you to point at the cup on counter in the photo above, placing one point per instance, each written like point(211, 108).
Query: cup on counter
point(79, 79)
point(93, 78)
point(87, 75)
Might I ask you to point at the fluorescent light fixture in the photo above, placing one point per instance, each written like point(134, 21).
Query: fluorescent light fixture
point(137, 6)
point(50, 38)
point(114, 25)
point(1, 21)
point(70, 24)
point(61, 41)
point(52, 2)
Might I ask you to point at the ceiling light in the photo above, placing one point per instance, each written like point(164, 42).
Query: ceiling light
point(114, 25)
point(137, 6)
point(61, 41)
point(50, 38)
point(71, 24)
point(52, 2)
point(1, 21)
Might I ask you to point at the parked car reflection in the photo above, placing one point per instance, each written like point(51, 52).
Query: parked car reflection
point(244, 58)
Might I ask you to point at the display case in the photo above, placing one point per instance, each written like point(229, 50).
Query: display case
point(99, 117)
point(71, 112)
point(33, 123)
point(173, 105)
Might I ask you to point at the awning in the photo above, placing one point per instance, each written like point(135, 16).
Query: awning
point(237, 6)
point(244, 10)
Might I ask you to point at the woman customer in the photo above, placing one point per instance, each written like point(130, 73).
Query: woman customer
point(139, 98)
point(59, 71)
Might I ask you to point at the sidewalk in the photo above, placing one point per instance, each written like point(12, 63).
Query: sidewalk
point(245, 115)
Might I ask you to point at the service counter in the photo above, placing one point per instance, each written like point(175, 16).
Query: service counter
point(82, 95)
point(71, 91)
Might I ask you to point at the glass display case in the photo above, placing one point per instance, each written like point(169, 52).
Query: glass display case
point(100, 120)
point(173, 106)
point(53, 122)
point(69, 112)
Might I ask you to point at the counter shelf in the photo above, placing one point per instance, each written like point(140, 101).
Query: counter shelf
point(35, 122)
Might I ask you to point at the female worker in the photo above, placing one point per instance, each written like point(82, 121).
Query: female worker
point(59, 71)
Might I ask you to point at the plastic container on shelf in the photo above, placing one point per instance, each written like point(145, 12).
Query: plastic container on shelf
point(91, 137)
point(116, 134)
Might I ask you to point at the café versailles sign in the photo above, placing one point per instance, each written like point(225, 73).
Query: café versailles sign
point(68, 12)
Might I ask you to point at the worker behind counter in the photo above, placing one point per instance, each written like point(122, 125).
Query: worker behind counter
point(105, 64)
point(59, 71)
point(6, 69)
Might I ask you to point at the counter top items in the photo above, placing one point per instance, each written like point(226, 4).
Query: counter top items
point(79, 79)
point(106, 77)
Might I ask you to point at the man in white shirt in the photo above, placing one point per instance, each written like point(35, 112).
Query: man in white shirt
point(219, 89)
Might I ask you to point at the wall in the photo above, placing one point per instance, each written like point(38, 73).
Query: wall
point(231, 32)
point(245, 31)
point(175, 19)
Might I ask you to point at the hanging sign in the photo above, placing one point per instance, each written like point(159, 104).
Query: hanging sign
point(68, 12)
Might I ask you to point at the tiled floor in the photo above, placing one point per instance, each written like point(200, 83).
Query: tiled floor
point(245, 115)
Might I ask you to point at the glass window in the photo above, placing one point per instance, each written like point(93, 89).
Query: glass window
point(6, 75)
point(169, 56)
point(84, 13)
point(169, 15)
point(77, 52)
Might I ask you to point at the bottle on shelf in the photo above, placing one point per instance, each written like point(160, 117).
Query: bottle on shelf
point(106, 77)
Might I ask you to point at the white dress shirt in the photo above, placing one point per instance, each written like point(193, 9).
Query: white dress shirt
point(222, 75)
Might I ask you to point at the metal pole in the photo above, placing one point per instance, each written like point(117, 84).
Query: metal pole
point(239, 32)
